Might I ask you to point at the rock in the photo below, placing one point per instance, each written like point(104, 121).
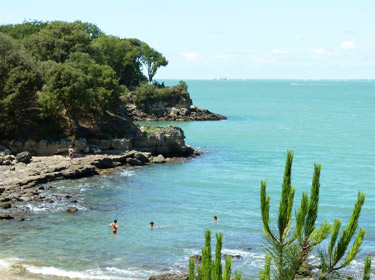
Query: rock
point(5, 199)
point(86, 150)
point(170, 276)
point(9, 157)
point(68, 196)
point(232, 256)
point(197, 258)
point(74, 201)
point(133, 161)
point(103, 163)
point(2, 190)
point(24, 157)
point(7, 152)
point(1, 160)
point(95, 149)
point(71, 209)
point(159, 159)
point(20, 219)
point(130, 154)
point(7, 162)
point(121, 144)
point(141, 157)
point(6, 217)
point(50, 200)
point(5, 205)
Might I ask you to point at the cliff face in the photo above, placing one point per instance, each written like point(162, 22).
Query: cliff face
point(168, 141)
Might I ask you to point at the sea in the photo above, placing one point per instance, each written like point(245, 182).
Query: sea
point(329, 122)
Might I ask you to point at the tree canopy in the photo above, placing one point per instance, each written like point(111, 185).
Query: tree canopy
point(66, 73)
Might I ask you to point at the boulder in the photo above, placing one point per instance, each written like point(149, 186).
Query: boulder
point(2, 190)
point(170, 276)
point(7, 152)
point(133, 161)
point(159, 159)
point(121, 144)
point(71, 209)
point(7, 162)
point(1, 160)
point(6, 217)
point(130, 154)
point(5, 205)
point(24, 157)
point(197, 258)
point(9, 157)
point(103, 163)
point(95, 149)
point(141, 157)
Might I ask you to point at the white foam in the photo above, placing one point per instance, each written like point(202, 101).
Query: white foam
point(126, 173)
point(4, 263)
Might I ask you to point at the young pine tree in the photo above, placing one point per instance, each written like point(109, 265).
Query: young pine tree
point(288, 252)
point(212, 269)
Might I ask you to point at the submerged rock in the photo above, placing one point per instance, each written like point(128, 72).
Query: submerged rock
point(6, 217)
point(72, 209)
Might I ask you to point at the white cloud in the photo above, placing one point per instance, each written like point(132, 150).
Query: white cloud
point(319, 51)
point(348, 45)
point(279, 52)
point(190, 56)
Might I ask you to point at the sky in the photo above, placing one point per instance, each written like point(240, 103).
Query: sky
point(236, 39)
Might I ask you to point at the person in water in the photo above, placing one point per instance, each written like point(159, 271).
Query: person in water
point(152, 225)
point(215, 219)
point(71, 152)
point(114, 225)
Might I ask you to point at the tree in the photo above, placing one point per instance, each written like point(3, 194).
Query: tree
point(19, 82)
point(288, 252)
point(212, 269)
point(152, 59)
point(81, 90)
point(57, 40)
point(123, 55)
point(93, 30)
point(23, 30)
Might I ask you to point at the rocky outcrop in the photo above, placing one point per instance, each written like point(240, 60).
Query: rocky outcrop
point(168, 141)
point(191, 113)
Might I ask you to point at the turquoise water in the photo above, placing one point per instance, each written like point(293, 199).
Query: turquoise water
point(326, 122)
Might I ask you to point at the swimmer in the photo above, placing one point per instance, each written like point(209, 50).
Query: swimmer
point(215, 219)
point(152, 225)
point(114, 225)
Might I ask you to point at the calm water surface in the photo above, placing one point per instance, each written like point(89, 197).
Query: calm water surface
point(326, 122)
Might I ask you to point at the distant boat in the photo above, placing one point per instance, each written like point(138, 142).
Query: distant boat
point(223, 78)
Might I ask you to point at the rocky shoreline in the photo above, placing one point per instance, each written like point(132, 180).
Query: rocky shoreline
point(26, 165)
point(192, 113)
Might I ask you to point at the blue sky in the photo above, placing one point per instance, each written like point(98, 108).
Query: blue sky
point(249, 39)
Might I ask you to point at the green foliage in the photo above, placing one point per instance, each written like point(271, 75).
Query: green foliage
point(183, 85)
point(23, 30)
point(81, 89)
point(19, 82)
point(91, 29)
point(367, 270)
point(212, 269)
point(57, 40)
point(336, 251)
point(266, 273)
point(95, 69)
point(123, 55)
point(288, 252)
point(144, 96)
point(152, 60)
point(191, 269)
